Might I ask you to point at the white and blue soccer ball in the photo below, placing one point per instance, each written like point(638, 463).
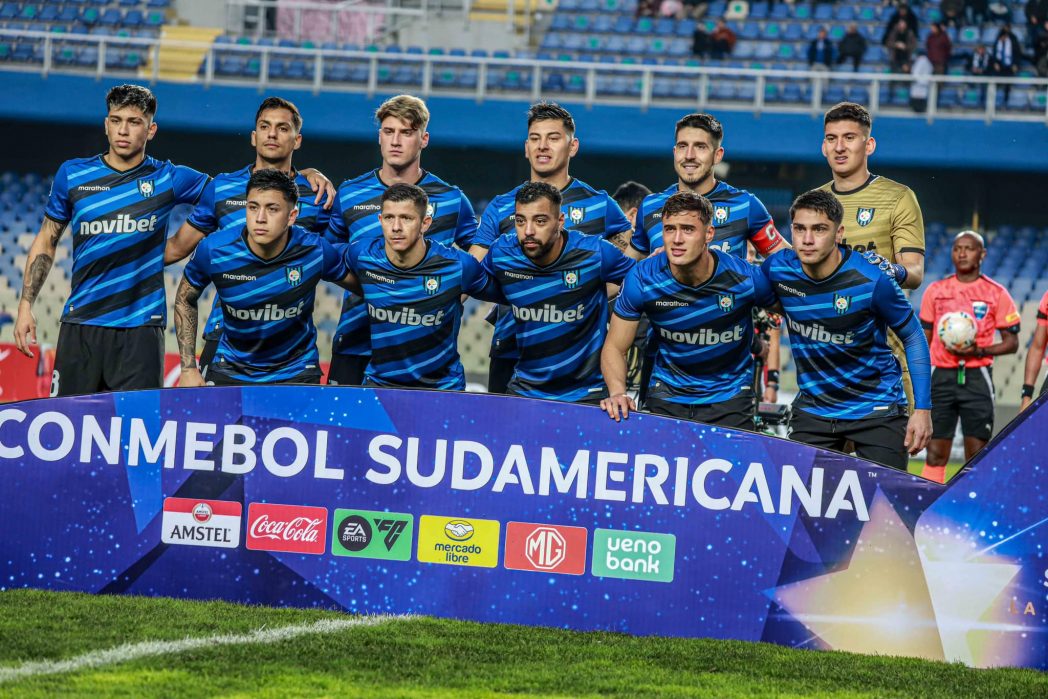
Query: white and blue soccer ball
point(957, 330)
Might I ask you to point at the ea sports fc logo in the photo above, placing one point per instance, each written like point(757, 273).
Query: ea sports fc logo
point(864, 216)
point(571, 278)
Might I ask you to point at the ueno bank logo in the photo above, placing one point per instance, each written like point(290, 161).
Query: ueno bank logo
point(289, 528)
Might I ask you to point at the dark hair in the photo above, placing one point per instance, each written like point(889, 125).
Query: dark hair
point(820, 201)
point(531, 192)
point(706, 122)
point(551, 111)
point(848, 111)
point(688, 201)
point(269, 178)
point(131, 96)
point(630, 194)
point(408, 192)
point(280, 103)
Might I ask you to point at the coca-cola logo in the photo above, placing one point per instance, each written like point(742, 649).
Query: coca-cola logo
point(298, 529)
point(290, 528)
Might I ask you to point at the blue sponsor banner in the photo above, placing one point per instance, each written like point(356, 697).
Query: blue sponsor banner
point(531, 512)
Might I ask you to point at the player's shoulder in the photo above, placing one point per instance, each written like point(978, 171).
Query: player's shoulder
point(656, 199)
point(223, 238)
point(783, 259)
point(651, 267)
point(434, 185)
point(588, 190)
point(364, 179)
point(582, 241)
point(828, 187)
point(886, 184)
point(726, 260)
point(77, 164)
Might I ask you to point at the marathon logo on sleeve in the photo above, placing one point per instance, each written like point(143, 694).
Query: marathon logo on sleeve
point(193, 522)
point(123, 223)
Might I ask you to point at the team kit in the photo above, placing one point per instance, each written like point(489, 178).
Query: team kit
point(575, 278)
point(389, 536)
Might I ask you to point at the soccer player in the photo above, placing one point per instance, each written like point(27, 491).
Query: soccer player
point(265, 274)
point(549, 148)
point(700, 302)
point(117, 206)
point(557, 283)
point(838, 306)
point(413, 288)
point(1035, 355)
point(962, 385)
point(402, 136)
point(277, 135)
point(629, 196)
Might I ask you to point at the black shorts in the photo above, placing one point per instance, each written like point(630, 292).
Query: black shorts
point(973, 403)
point(347, 369)
point(206, 355)
point(91, 359)
point(309, 376)
point(736, 412)
point(500, 371)
point(878, 439)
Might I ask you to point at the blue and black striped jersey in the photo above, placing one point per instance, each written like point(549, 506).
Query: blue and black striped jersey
point(223, 205)
point(354, 217)
point(415, 313)
point(269, 334)
point(738, 216)
point(837, 333)
point(587, 210)
point(561, 312)
point(704, 331)
point(119, 225)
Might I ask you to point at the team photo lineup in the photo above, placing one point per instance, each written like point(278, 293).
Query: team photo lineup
point(690, 288)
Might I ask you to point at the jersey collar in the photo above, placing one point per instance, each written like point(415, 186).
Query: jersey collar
point(864, 185)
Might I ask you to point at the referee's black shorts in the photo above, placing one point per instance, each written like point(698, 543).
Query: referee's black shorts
point(92, 359)
point(735, 413)
point(972, 403)
point(879, 439)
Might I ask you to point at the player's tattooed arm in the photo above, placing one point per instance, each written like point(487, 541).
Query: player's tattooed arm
point(186, 321)
point(621, 240)
point(38, 265)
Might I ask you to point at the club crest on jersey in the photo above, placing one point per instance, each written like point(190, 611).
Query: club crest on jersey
point(431, 209)
point(720, 214)
point(726, 302)
point(145, 188)
point(980, 308)
point(576, 214)
point(864, 216)
point(293, 275)
point(571, 278)
point(431, 284)
point(841, 304)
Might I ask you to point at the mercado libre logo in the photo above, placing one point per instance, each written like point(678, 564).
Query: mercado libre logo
point(367, 534)
point(633, 555)
point(458, 541)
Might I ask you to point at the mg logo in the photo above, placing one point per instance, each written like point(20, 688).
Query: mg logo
point(545, 548)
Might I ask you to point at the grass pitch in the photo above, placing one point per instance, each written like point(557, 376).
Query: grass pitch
point(423, 657)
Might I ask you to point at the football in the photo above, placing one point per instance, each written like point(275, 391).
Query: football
point(957, 330)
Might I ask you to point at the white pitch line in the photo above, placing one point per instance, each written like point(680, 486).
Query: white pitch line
point(145, 649)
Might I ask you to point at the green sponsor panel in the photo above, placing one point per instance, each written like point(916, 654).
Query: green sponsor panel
point(367, 534)
point(633, 555)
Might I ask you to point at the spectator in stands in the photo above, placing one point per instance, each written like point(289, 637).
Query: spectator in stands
point(979, 63)
point(952, 12)
point(723, 40)
point(975, 11)
point(1040, 52)
point(1004, 59)
point(821, 51)
point(1036, 15)
point(701, 41)
point(647, 8)
point(695, 9)
point(671, 8)
point(921, 86)
point(999, 11)
point(962, 387)
point(852, 47)
point(939, 48)
point(904, 14)
point(901, 43)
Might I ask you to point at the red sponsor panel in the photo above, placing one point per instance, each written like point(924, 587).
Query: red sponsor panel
point(289, 528)
point(546, 548)
point(22, 377)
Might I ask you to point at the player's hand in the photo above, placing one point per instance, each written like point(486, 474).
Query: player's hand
point(191, 378)
point(322, 186)
point(618, 406)
point(1025, 403)
point(771, 394)
point(918, 431)
point(962, 352)
point(882, 263)
point(658, 251)
point(25, 329)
